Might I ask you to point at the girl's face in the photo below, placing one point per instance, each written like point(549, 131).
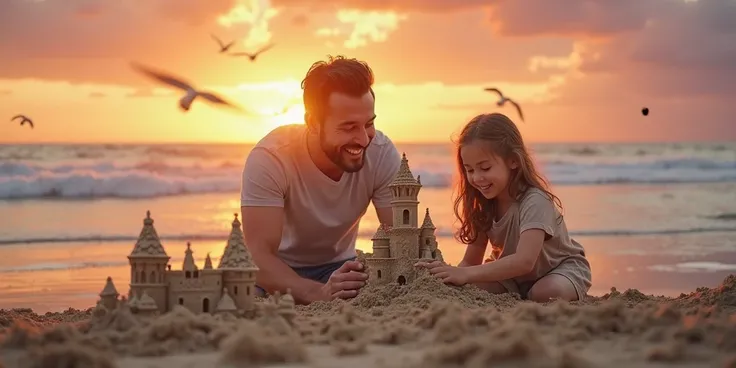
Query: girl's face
point(486, 172)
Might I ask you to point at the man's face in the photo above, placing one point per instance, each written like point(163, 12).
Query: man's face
point(348, 130)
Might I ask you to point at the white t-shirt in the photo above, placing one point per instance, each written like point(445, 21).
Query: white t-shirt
point(321, 216)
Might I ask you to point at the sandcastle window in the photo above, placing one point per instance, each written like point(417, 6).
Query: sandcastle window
point(205, 305)
point(181, 301)
point(196, 274)
point(247, 290)
point(235, 290)
point(161, 277)
point(188, 274)
point(406, 217)
point(143, 276)
point(426, 241)
point(379, 274)
point(153, 276)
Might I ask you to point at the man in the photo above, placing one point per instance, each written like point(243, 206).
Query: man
point(305, 187)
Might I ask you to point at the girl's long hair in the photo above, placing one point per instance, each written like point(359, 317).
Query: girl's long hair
point(503, 138)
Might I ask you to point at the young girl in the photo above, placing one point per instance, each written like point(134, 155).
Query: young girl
point(502, 198)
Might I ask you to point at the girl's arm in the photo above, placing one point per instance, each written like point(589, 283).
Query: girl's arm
point(513, 265)
point(474, 251)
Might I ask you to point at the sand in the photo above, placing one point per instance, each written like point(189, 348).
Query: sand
point(423, 324)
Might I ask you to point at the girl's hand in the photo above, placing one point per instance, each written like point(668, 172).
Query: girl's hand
point(449, 274)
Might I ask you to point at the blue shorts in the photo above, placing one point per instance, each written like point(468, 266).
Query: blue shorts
point(319, 273)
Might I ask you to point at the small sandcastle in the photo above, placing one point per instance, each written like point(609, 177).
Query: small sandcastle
point(156, 289)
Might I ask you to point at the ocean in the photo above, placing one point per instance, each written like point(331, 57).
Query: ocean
point(657, 217)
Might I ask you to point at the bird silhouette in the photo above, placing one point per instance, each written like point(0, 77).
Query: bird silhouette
point(503, 99)
point(254, 55)
point(645, 111)
point(23, 119)
point(223, 47)
point(186, 101)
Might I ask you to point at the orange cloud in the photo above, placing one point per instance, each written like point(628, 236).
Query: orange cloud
point(431, 6)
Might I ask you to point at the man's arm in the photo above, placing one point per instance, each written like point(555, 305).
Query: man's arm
point(262, 228)
point(262, 197)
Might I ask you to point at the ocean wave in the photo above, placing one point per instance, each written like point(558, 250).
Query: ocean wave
point(146, 179)
point(362, 233)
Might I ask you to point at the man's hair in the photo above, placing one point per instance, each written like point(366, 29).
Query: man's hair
point(338, 74)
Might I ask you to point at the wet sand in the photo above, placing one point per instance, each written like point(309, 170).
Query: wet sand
point(424, 323)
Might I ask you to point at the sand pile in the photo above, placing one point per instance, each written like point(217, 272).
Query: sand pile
point(424, 323)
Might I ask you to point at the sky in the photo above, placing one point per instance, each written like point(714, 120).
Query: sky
point(582, 70)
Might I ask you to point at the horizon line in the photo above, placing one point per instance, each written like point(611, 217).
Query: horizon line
point(223, 143)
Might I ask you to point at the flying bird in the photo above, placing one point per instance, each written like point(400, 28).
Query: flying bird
point(185, 102)
point(645, 111)
point(23, 119)
point(503, 99)
point(223, 47)
point(254, 55)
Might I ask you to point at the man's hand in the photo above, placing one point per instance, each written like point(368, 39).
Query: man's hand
point(449, 274)
point(345, 282)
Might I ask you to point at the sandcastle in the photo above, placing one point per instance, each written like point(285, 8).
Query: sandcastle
point(397, 248)
point(156, 289)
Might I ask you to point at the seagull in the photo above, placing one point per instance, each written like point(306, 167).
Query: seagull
point(223, 47)
point(503, 99)
point(253, 56)
point(185, 102)
point(23, 119)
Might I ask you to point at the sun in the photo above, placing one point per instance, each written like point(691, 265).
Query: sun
point(293, 114)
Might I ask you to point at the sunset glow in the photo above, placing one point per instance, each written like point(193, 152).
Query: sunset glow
point(581, 75)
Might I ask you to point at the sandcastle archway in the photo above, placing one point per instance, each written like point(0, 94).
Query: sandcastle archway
point(205, 305)
point(401, 280)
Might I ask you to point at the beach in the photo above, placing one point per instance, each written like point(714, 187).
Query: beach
point(423, 323)
point(657, 223)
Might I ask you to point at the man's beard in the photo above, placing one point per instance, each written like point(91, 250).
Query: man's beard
point(342, 159)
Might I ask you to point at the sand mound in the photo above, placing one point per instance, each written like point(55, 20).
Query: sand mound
point(447, 326)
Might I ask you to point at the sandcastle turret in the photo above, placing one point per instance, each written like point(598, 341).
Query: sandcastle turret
point(238, 269)
point(109, 295)
point(405, 192)
point(381, 242)
point(188, 265)
point(226, 305)
point(286, 306)
point(427, 239)
point(208, 262)
point(146, 305)
point(148, 263)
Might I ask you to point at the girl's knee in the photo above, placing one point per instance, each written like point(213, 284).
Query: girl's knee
point(553, 287)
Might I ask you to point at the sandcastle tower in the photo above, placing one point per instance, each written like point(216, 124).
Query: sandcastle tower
point(208, 262)
point(427, 239)
point(109, 295)
point(286, 305)
point(396, 249)
point(238, 269)
point(148, 262)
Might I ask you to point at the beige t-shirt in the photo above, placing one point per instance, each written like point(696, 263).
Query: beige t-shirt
point(537, 211)
point(321, 216)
